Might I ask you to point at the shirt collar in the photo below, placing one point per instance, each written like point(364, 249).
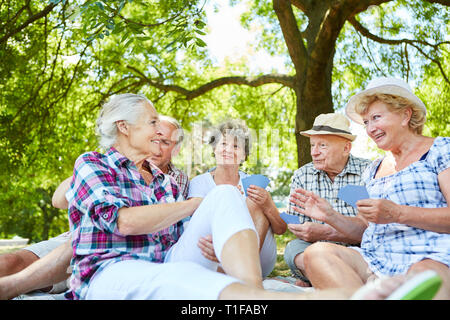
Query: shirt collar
point(171, 168)
point(121, 161)
point(156, 172)
point(351, 166)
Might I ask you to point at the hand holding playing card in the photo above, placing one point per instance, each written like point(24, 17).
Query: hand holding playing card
point(289, 218)
point(352, 193)
point(255, 179)
point(258, 195)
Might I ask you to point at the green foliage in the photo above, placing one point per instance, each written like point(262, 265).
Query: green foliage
point(53, 85)
point(57, 71)
point(436, 93)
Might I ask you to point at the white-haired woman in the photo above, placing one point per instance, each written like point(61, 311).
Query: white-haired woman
point(408, 214)
point(231, 143)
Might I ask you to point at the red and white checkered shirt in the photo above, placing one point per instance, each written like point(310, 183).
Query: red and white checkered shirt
point(181, 178)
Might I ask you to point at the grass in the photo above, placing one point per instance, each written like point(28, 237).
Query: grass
point(281, 268)
point(7, 249)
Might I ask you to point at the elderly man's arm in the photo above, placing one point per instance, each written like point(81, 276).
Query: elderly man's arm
point(59, 197)
point(313, 206)
point(50, 269)
point(313, 232)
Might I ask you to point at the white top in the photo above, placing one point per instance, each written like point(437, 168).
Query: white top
point(204, 183)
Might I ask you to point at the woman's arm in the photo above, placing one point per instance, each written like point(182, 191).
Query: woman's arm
point(262, 197)
point(153, 218)
point(433, 219)
point(95, 193)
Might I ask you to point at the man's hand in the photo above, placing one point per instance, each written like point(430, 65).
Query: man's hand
point(311, 205)
point(310, 231)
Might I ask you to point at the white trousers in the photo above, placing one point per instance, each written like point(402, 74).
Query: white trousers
point(221, 216)
point(185, 274)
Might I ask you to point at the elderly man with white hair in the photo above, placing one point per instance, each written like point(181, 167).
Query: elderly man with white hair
point(332, 167)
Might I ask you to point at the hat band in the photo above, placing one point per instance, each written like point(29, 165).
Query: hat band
point(329, 129)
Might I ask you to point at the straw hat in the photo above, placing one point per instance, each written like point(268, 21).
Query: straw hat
point(393, 86)
point(331, 123)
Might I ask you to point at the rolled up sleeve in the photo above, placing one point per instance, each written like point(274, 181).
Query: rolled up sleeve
point(95, 195)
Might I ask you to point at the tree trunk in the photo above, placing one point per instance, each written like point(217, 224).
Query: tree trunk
point(313, 98)
point(312, 55)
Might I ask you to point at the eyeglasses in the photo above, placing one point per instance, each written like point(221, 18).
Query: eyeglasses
point(165, 144)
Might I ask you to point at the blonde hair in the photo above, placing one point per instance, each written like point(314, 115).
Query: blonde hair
point(395, 104)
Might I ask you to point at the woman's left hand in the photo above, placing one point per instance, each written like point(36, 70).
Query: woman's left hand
point(206, 246)
point(379, 211)
point(257, 194)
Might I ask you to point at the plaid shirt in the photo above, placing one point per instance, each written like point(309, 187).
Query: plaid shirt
point(392, 248)
point(317, 181)
point(104, 183)
point(181, 178)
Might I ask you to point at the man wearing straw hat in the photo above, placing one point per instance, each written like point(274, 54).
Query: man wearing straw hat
point(332, 167)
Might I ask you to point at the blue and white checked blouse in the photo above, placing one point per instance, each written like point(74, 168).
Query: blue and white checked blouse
point(392, 248)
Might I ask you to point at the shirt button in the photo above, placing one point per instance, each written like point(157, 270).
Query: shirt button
point(105, 216)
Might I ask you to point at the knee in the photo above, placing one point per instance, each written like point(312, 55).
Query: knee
point(428, 264)
point(14, 262)
point(318, 250)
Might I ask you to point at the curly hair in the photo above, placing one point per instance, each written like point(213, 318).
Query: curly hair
point(236, 128)
point(395, 104)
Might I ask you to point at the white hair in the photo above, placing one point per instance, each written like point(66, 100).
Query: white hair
point(127, 107)
point(179, 129)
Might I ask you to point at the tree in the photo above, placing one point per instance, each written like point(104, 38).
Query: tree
point(313, 33)
point(47, 54)
point(60, 60)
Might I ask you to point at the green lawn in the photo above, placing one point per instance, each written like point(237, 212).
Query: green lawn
point(281, 268)
point(7, 249)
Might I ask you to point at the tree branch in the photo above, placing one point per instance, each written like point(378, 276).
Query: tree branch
point(285, 80)
point(30, 20)
point(362, 5)
point(366, 33)
point(303, 5)
point(415, 43)
point(291, 33)
point(443, 2)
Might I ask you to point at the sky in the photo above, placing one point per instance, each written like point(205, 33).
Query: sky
point(227, 39)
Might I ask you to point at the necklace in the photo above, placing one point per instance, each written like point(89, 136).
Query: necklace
point(238, 185)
